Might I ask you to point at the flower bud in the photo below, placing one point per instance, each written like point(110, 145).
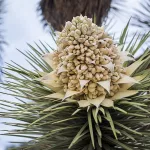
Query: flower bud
point(82, 77)
point(98, 77)
point(88, 60)
point(85, 91)
point(78, 32)
point(72, 28)
point(68, 25)
point(77, 47)
point(96, 51)
point(98, 68)
point(84, 28)
point(90, 95)
point(81, 40)
point(83, 67)
point(74, 81)
point(89, 75)
point(65, 80)
point(93, 71)
point(93, 56)
point(91, 89)
point(93, 85)
point(74, 42)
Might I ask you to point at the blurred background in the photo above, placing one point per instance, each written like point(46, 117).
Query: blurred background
point(28, 21)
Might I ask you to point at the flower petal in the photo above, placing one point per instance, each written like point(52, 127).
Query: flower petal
point(52, 85)
point(105, 85)
point(110, 66)
point(83, 83)
point(49, 59)
point(70, 93)
point(126, 79)
point(56, 95)
point(51, 81)
point(124, 56)
point(128, 85)
point(107, 103)
point(123, 94)
point(130, 69)
point(120, 47)
point(83, 103)
point(97, 101)
point(50, 76)
point(62, 69)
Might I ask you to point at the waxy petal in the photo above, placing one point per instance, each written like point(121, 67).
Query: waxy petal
point(120, 47)
point(110, 66)
point(70, 93)
point(128, 85)
point(50, 84)
point(56, 95)
point(51, 81)
point(97, 101)
point(107, 103)
point(62, 69)
point(126, 79)
point(105, 85)
point(124, 56)
point(49, 59)
point(123, 94)
point(50, 76)
point(130, 69)
point(83, 83)
point(83, 103)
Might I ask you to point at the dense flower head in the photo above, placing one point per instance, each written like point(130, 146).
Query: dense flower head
point(87, 59)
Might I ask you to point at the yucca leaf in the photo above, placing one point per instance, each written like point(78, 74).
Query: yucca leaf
point(126, 128)
point(78, 135)
point(108, 117)
point(117, 143)
point(91, 128)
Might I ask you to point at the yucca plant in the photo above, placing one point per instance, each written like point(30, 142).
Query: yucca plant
point(90, 93)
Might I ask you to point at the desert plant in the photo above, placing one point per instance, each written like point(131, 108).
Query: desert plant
point(88, 94)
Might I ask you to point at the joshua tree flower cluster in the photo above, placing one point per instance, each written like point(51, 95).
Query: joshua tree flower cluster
point(87, 54)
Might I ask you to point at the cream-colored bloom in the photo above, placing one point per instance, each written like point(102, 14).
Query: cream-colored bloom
point(88, 66)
